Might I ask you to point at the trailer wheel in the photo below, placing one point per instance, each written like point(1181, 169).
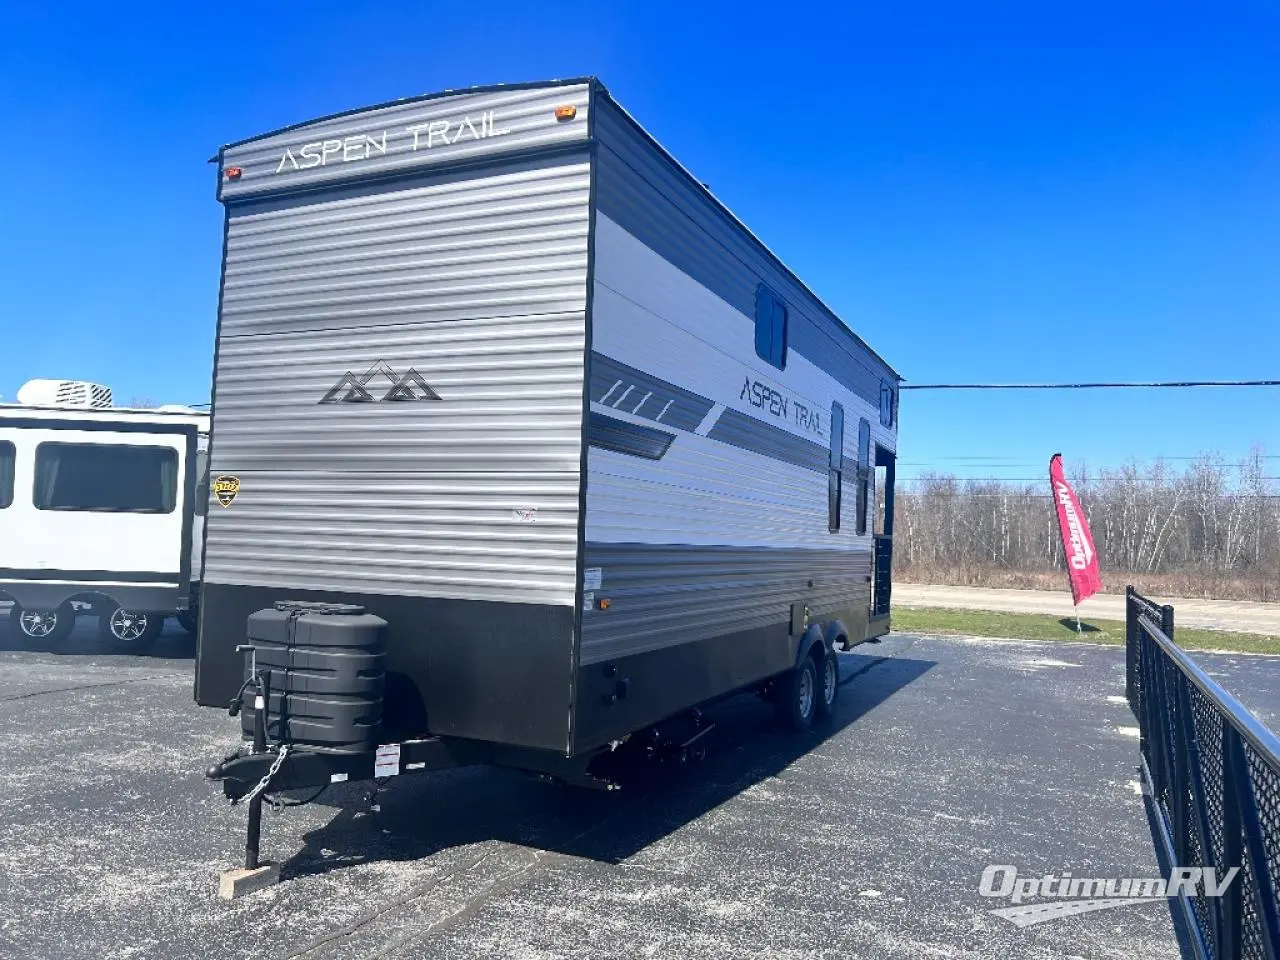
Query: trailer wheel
point(828, 686)
point(129, 630)
point(798, 696)
point(42, 626)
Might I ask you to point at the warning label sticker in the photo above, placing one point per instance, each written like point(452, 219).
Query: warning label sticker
point(386, 761)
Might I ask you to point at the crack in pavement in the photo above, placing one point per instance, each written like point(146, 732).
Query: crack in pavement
point(87, 686)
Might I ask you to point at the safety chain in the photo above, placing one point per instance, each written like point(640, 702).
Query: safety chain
point(266, 780)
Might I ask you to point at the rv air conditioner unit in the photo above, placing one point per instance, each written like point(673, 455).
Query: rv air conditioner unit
point(64, 393)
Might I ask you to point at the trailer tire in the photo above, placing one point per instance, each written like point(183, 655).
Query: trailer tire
point(37, 627)
point(828, 686)
point(797, 696)
point(129, 631)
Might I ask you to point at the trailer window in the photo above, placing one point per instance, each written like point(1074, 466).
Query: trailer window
point(864, 475)
point(8, 456)
point(106, 478)
point(886, 405)
point(771, 327)
point(835, 475)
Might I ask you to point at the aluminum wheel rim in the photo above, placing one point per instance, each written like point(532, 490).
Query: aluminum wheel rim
point(128, 626)
point(38, 625)
point(806, 692)
point(829, 681)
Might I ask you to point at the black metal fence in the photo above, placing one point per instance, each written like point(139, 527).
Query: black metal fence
point(1213, 772)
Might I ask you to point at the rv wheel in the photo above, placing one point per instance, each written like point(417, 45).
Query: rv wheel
point(798, 696)
point(42, 626)
point(129, 630)
point(828, 686)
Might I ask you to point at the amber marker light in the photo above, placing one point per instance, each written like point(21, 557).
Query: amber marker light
point(566, 112)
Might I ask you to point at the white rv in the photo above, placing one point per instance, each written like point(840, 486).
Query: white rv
point(493, 366)
point(99, 511)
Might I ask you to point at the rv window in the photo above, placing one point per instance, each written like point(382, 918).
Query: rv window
point(7, 457)
point(837, 436)
point(771, 328)
point(107, 478)
point(834, 483)
point(864, 475)
point(886, 405)
point(835, 478)
point(202, 482)
point(863, 482)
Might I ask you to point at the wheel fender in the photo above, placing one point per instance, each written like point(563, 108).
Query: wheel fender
point(834, 631)
point(812, 637)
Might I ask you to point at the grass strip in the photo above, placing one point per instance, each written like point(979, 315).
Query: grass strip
point(1037, 626)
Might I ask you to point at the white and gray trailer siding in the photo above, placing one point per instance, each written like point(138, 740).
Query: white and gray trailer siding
point(493, 365)
point(100, 506)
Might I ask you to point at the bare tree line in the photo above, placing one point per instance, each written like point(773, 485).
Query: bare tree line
point(1212, 529)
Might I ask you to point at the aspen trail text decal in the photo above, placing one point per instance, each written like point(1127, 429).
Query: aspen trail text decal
point(363, 146)
point(766, 398)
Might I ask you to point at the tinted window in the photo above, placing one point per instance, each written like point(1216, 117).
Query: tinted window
point(837, 437)
point(771, 328)
point(864, 475)
point(106, 477)
point(7, 457)
point(886, 405)
point(834, 483)
point(835, 479)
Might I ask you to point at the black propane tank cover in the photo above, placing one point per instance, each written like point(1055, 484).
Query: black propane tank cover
point(328, 669)
point(318, 606)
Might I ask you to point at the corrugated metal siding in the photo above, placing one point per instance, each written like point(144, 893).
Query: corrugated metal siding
point(661, 595)
point(522, 119)
point(642, 191)
point(479, 285)
point(510, 243)
point(708, 492)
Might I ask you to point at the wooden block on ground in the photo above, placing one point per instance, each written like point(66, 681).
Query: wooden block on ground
point(239, 883)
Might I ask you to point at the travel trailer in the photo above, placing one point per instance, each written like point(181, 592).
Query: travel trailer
point(99, 510)
point(528, 438)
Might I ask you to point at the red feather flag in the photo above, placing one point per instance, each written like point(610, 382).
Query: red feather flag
point(1077, 541)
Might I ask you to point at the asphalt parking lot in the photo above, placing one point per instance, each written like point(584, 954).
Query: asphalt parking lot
point(864, 839)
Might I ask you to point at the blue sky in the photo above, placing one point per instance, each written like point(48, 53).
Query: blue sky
point(984, 191)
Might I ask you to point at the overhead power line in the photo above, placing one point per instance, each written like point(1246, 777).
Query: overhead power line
point(1047, 496)
point(1090, 386)
point(1043, 479)
point(1014, 462)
